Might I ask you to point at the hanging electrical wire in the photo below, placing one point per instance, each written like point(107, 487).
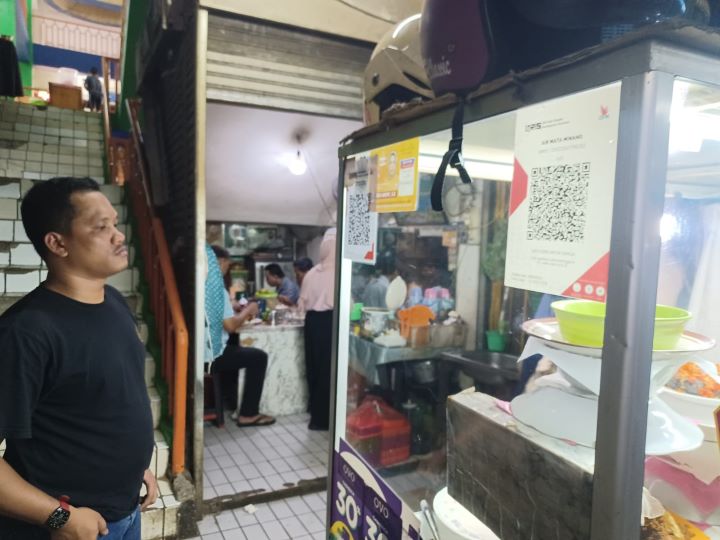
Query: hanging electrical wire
point(318, 188)
point(365, 12)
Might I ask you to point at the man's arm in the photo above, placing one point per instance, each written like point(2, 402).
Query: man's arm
point(152, 490)
point(232, 324)
point(285, 300)
point(23, 501)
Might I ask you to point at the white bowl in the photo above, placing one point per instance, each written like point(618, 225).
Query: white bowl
point(699, 409)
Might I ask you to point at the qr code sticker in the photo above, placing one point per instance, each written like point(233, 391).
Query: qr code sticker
point(358, 219)
point(558, 202)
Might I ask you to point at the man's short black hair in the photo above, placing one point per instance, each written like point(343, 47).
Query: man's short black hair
point(274, 270)
point(93, 71)
point(386, 265)
point(304, 264)
point(47, 207)
point(220, 252)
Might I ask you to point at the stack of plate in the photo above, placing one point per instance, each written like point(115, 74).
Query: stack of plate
point(565, 405)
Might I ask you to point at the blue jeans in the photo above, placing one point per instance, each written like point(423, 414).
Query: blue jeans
point(124, 529)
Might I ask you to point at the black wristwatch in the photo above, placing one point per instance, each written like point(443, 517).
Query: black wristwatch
point(60, 515)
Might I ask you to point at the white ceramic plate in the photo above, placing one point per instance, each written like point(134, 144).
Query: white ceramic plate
point(669, 431)
point(574, 418)
point(698, 408)
point(558, 414)
point(548, 330)
point(585, 369)
point(396, 294)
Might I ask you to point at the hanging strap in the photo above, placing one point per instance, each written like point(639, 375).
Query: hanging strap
point(452, 157)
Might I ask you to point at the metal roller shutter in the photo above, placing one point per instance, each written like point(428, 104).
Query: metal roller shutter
point(261, 64)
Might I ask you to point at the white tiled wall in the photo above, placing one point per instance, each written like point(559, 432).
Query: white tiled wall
point(19, 232)
point(10, 189)
point(8, 209)
point(6, 230)
point(24, 255)
point(21, 282)
point(38, 144)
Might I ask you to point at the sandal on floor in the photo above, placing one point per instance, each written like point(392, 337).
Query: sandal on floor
point(260, 421)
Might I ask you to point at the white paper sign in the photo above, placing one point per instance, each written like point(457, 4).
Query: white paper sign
point(361, 225)
point(562, 194)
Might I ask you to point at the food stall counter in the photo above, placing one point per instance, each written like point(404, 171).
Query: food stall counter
point(285, 390)
point(366, 355)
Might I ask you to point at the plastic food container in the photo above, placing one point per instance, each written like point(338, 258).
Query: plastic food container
point(364, 431)
point(375, 320)
point(418, 336)
point(270, 297)
point(395, 443)
point(582, 322)
point(451, 335)
point(379, 433)
point(415, 325)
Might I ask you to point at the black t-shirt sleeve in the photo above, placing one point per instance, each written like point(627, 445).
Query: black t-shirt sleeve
point(23, 366)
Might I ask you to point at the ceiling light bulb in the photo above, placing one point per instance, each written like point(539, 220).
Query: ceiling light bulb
point(297, 165)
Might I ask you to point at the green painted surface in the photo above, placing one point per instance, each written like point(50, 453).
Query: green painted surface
point(7, 28)
point(26, 76)
point(134, 25)
point(7, 17)
point(26, 67)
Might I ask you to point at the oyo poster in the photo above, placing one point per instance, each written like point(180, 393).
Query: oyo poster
point(562, 195)
point(394, 186)
point(363, 506)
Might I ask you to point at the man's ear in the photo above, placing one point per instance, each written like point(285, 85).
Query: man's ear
point(55, 244)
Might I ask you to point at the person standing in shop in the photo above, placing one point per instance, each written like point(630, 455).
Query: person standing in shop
point(287, 289)
point(94, 88)
point(376, 289)
point(302, 267)
point(74, 408)
point(317, 299)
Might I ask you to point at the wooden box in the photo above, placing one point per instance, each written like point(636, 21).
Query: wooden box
point(66, 96)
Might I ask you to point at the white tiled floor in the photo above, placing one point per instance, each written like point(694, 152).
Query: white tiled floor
point(296, 518)
point(267, 458)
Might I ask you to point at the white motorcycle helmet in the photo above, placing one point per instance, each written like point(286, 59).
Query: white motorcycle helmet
point(395, 72)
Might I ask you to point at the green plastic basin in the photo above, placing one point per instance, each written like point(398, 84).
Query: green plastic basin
point(582, 322)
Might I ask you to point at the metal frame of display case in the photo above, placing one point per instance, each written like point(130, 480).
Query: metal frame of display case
point(647, 62)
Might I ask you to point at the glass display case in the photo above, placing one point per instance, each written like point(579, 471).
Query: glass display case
point(538, 360)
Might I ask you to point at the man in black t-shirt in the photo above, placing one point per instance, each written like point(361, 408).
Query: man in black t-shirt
point(74, 409)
